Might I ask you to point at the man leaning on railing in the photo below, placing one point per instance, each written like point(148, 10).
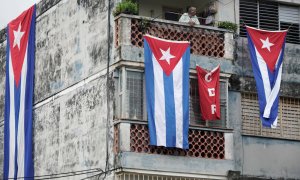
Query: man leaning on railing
point(190, 17)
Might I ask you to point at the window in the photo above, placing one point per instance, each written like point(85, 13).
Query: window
point(172, 14)
point(132, 100)
point(289, 17)
point(195, 114)
point(288, 126)
point(131, 94)
point(270, 15)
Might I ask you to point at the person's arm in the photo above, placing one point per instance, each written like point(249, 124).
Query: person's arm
point(196, 21)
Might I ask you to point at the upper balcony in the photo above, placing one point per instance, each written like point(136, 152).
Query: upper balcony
point(206, 41)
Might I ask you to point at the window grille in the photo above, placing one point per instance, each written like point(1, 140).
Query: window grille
point(135, 95)
point(270, 15)
point(137, 176)
point(248, 15)
point(288, 126)
point(289, 17)
point(134, 106)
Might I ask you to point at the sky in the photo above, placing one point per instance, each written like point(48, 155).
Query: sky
point(10, 9)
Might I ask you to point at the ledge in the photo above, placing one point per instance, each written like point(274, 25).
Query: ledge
point(269, 137)
point(129, 121)
point(170, 22)
point(175, 164)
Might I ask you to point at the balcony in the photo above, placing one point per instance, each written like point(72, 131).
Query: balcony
point(205, 40)
point(210, 151)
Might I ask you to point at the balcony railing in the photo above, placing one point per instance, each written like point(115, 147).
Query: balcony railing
point(205, 40)
point(202, 143)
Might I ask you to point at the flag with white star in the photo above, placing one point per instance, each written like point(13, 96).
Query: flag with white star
point(20, 55)
point(167, 91)
point(266, 53)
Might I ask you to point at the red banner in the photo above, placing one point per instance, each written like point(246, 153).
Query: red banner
point(209, 93)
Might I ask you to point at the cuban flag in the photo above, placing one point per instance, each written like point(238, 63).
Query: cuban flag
point(167, 91)
point(266, 52)
point(20, 57)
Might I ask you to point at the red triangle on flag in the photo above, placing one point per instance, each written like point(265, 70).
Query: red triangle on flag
point(18, 30)
point(167, 53)
point(268, 44)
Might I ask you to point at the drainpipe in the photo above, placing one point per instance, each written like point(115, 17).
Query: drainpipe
point(107, 87)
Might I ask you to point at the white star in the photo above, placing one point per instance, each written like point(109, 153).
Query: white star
point(266, 44)
point(166, 55)
point(18, 35)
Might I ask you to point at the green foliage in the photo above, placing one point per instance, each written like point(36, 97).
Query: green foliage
point(126, 7)
point(144, 25)
point(227, 25)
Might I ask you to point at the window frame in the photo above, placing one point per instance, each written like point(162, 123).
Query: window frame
point(223, 78)
point(122, 112)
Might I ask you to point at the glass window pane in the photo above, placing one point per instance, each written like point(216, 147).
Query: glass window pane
point(134, 95)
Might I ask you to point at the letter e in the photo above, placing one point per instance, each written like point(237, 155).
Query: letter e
point(211, 91)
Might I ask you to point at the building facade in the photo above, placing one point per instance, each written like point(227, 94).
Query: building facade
point(90, 116)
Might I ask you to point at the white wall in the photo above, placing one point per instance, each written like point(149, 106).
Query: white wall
point(227, 10)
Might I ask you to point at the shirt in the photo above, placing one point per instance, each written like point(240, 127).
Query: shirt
point(186, 18)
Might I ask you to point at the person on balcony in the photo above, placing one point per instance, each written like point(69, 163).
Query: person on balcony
point(190, 17)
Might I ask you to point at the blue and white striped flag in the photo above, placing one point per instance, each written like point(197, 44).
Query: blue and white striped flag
point(20, 57)
point(167, 90)
point(266, 52)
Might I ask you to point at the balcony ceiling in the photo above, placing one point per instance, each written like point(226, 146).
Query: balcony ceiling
point(156, 8)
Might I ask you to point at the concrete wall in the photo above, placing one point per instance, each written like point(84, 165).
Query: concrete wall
point(265, 157)
point(2, 84)
point(226, 10)
point(70, 90)
point(70, 132)
point(1, 149)
point(70, 45)
point(177, 165)
point(235, 122)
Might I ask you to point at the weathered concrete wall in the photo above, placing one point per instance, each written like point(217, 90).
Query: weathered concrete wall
point(70, 130)
point(226, 11)
point(2, 85)
point(2, 78)
point(274, 158)
point(1, 149)
point(235, 122)
point(70, 45)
